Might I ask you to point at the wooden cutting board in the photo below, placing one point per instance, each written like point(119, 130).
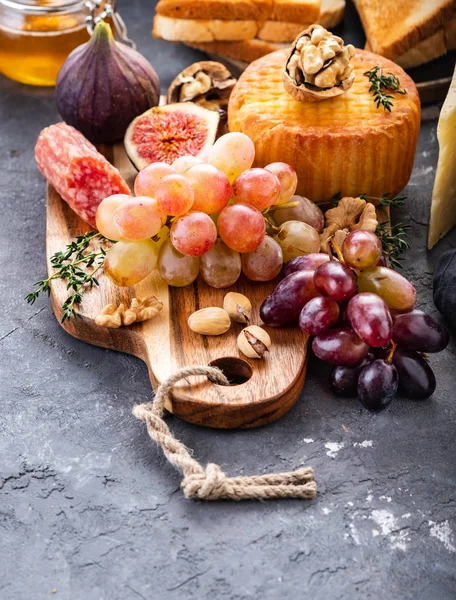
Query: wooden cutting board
point(270, 387)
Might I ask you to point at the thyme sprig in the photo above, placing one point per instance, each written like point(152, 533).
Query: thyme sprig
point(72, 265)
point(394, 241)
point(383, 83)
point(386, 200)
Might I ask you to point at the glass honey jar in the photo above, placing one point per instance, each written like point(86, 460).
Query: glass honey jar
point(36, 36)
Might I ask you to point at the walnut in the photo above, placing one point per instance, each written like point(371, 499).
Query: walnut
point(348, 215)
point(318, 66)
point(206, 83)
point(110, 316)
point(114, 316)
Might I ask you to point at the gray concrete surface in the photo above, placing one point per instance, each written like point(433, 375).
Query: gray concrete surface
point(89, 508)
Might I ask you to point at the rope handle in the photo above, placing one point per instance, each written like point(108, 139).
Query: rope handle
point(212, 483)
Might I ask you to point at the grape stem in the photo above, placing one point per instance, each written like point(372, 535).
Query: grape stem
point(280, 206)
point(274, 228)
point(337, 249)
point(389, 358)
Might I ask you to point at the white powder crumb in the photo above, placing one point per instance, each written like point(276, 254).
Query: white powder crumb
point(369, 498)
point(354, 534)
point(325, 510)
point(387, 524)
point(349, 503)
point(333, 448)
point(443, 533)
point(407, 516)
point(399, 541)
point(387, 498)
point(385, 520)
point(308, 440)
point(365, 444)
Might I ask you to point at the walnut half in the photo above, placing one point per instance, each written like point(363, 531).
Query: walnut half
point(207, 83)
point(114, 316)
point(318, 66)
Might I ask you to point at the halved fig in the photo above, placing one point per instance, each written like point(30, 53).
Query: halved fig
point(165, 133)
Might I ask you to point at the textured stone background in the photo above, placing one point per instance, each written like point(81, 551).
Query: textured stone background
point(90, 508)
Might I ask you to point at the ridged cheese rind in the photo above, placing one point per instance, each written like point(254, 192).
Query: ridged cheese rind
point(342, 145)
point(443, 207)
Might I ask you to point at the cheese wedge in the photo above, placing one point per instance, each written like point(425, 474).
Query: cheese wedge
point(443, 207)
point(342, 145)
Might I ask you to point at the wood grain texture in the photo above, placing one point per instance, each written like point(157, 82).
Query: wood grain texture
point(166, 343)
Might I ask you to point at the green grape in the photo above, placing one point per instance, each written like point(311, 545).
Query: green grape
point(297, 238)
point(175, 268)
point(220, 266)
point(128, 263)
point(396, 291)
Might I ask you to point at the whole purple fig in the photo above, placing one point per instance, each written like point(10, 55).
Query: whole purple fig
point(103, 85)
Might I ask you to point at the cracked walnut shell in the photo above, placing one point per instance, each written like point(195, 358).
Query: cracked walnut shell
point(318, 66)
point(207, 83)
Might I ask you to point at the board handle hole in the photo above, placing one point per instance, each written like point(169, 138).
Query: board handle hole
point(236, 370)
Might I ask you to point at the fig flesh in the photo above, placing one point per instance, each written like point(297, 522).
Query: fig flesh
point(165, 133)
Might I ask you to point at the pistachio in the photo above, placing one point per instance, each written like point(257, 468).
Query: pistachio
point(238, 307)
point(254, 342)
point(209, 321)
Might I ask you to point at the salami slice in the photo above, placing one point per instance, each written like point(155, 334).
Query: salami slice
point(75, 168)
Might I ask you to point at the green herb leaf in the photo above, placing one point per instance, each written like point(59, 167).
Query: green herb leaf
point(385, 200)
point(381, 83)
point(71, 266)
point(394, 242)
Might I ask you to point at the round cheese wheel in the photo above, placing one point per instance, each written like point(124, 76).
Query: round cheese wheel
point(344, 145)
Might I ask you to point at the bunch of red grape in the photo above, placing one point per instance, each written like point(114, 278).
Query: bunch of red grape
point(363, 318)
point(201, 216)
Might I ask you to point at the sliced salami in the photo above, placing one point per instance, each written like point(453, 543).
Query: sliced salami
point(75, 168)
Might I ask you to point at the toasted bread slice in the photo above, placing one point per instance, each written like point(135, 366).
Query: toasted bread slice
point(393, 27)
point(431, 48)
point(425, 51)
point(245, 51)
point(295, 11)
point(450, 33)
point(331, 14)
point(258, 10)
point(201, 30)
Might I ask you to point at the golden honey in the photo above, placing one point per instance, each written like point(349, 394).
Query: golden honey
point(36, 37)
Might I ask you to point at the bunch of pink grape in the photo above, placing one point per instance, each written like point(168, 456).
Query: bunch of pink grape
point(198, 216)
point(363, 318)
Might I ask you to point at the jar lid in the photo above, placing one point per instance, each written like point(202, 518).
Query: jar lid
point(44, 6)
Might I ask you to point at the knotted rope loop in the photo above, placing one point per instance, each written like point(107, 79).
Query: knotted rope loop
point(212, 483)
